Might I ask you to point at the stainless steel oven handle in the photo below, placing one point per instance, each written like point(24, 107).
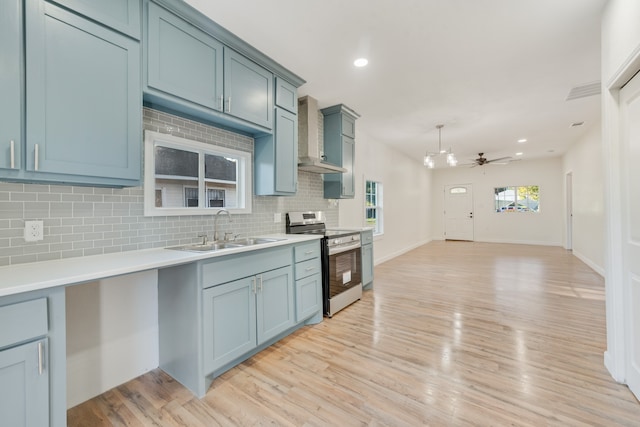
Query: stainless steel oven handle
point(345, 248)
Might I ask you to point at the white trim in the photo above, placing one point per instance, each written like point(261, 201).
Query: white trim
point(598, 269)
point(400, 252)
point(244, 178)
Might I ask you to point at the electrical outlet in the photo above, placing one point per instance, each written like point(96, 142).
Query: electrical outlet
point(277, 217)
point(33, 231)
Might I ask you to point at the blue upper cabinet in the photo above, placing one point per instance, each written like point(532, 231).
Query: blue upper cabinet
point(84, 103)
point(248, 89)
point(11, 60)
point(188, 70)
point(121, 15)
point(339, 147)
point(276, 157)
point(286, 95)
point(193, 66)
point(183, 61)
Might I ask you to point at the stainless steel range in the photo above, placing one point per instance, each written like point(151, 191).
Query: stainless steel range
point(341, 259)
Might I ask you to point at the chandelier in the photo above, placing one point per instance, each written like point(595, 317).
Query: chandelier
point(429, 158)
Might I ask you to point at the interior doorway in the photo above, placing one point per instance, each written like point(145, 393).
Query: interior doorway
point(458, 212)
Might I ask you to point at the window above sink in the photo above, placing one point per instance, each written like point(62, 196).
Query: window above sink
point(185, 177)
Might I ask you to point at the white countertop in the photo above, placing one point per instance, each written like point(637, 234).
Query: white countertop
point(19, 278)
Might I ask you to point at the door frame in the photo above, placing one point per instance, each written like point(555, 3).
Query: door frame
point(569, 204)
point(616, 293)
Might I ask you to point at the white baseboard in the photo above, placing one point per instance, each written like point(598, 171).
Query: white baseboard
point(400, 252)
point(595, 267)
point(519, 242)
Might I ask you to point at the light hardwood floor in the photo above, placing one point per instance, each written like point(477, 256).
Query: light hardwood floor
point(455, 333)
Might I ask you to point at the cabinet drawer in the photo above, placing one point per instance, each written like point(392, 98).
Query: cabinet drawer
point(229, 268)
point(307, 268)
point(23, 321)
point(307, 251)
point(367, 237)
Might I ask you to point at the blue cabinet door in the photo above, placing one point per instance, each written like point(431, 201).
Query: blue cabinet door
point(286, 151)
point(229, 316)
point(308, 297)
point(183, 61)
point(367, 264)
point(248, 90)
point(348, 157)
point(276, 157)
point(24, 385)
point(84, 102)
point(286, 95)
point(11, 84)
point(275, 303)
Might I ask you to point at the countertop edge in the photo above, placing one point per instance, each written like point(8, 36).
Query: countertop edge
point(28, 277)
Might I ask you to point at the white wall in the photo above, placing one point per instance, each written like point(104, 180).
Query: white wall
point(542, 228)
point(407, 197)
point(584, 161)
point(112, 333)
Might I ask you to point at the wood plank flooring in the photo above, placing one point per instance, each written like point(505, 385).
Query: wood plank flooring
point(454, 334)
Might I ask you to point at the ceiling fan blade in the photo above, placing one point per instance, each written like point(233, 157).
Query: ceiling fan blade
point(498, 159)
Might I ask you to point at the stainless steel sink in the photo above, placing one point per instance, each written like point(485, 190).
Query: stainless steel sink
point(216, 246)
point(250, 241)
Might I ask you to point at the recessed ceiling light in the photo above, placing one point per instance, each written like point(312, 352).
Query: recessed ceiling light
point(519, 154)
point(522, 140)
point(361, 62)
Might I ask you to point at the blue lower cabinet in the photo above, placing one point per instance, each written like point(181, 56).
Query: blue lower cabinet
point(243, 314)
point(24, 385)
point(215, 313)
point(229, 322)
point(308, 296)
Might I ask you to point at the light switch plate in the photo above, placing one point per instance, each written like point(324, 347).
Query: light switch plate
point(33, 231)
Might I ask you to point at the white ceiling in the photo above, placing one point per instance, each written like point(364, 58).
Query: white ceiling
point(491, 71)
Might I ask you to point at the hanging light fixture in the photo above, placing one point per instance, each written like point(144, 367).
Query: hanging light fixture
point(429, 158)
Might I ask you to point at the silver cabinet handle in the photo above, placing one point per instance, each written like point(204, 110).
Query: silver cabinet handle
point(13, 154)
point(221, 102)
point(308, 252)
point(229, 105)
point(253, 285)
point(35, 163)
point(310, 268)
point(260, 283)
point(40, 358)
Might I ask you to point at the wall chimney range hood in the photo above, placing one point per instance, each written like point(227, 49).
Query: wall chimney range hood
point(309, 157)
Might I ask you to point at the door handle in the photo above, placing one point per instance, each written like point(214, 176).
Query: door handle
point(13, 154)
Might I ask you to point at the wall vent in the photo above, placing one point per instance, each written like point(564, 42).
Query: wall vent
point(585, 90)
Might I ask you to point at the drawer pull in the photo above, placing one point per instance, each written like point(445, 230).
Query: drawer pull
point(260, 283)
point(253, 285)
point(310, 268)
point(222, 103)
point(36, 155)
point(40, 358)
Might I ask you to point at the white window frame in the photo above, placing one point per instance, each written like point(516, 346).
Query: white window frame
point(244, 178)
point(379, 207)
point(515, 208)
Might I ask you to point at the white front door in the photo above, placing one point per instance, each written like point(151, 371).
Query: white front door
point(630, 215)
point(458, 212)
point(569, 196)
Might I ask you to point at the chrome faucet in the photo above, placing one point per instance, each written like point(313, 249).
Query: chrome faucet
point(215, 222)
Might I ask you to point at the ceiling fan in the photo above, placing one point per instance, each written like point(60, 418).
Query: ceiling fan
point(481, 160)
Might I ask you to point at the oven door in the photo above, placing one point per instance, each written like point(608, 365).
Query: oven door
point(344, 269)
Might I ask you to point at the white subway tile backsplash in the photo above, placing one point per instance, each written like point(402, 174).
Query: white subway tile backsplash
point(83, 221)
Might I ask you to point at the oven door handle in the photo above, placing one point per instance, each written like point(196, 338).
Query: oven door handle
point(345, 248)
